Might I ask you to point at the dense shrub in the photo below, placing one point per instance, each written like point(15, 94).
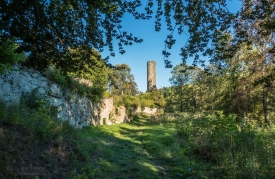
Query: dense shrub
point(129, 101)
point(235, 150)
point(7, 55)
point(95, 92)
point(153, 99)
point(36, 114)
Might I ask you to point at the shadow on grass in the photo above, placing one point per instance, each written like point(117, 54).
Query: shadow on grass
point(140, 121)
point(127, 150)
point(24, 156)
point(140, 149)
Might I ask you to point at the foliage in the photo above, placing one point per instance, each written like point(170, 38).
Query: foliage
point(158, 98)
point(153, 99)
point(147, 103)
point(35, 113)
point(94, 73)
point(128, 101)
point(7, 55)
point(91, 84)
point(44, 121)
point(234, 150)
point(193, 146)
point(210, 30)
point(75, 86)
point(254, 25)
point(34, 100)
point(183, 76)
point(94, 70)
point(47, 29)
point(121, 81)
point(149, 99)
point(241, 84)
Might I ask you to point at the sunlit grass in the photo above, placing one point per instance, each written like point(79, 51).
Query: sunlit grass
point(186, 148)
point(131, 147)
point(148, 165)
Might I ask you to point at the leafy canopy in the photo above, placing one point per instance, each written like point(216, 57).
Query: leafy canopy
point(46, 29)
point(7, 55)
point(121, 81)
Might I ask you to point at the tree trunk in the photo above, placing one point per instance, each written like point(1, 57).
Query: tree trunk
point(265, 105)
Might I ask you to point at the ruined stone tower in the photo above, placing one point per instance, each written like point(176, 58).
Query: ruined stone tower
point(151, 75)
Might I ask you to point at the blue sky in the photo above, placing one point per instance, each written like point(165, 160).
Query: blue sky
point(137, 55)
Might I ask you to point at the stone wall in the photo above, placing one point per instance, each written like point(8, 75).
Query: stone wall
point(78, 110)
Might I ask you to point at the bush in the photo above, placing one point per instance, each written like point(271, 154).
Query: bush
point(59, 78)
point(127, 101)
point(233, 149)
point(36, 114)
point(147, 103)
point(38, 102)
point(7, 55)
point(94, 92)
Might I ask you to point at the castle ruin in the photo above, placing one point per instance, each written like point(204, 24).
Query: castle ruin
point(151, 75)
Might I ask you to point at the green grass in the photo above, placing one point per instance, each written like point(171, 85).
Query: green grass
point(36, 145)
point(223, 148)
point(190, 147)
point(131, 150)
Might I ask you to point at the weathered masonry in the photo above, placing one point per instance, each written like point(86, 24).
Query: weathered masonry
point(151, 75)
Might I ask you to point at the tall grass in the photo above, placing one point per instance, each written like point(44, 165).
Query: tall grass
point(168, 146)
point(36, 114)
point(227, 149)
point(27, 131)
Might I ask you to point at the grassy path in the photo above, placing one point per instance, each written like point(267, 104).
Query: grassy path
point(132, 150)
point(32, 146)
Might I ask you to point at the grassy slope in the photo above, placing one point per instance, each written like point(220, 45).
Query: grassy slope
point(208, 148)
point(137, 149)
point(32, 146)
point(132, 150)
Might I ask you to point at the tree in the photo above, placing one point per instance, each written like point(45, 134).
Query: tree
point(47, 29)
point(121, 81)
point(207, 21)
point(254, 27)
point(158, 98)
point(257, 15)
point(201, 19)
point(7, 55)
point(94, 70)
point(180, 77)
point(183, 80)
